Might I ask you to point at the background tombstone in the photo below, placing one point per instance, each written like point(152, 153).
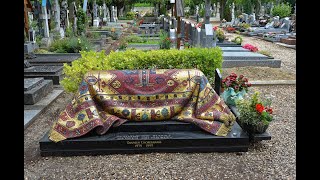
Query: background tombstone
point(56, 9)
point(63, 15)
point(232, 14)
point(218, 11)
point(207, 12)
point(105, 13)
point(84, 8)
point(45, 22)
point(182, 29)
point(193, 34)
point(73, 16)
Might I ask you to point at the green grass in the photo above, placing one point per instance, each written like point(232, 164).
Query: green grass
point(148, 42)
point(143, 5)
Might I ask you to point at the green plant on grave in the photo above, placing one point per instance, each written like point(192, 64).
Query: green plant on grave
point(282, 10)
point(205, 59)
point(201, 12)
point(135, 39)
point(264, 52)
point(165, 42)
point(69, 32)
point(130, 15)
point(237, 40)
point(71, 45)
point(123, 44)
point(220, 34)
point(82, 21)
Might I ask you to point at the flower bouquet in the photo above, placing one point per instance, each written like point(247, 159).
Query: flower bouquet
point(255, 114)
point(250, 47)
point(234, 88)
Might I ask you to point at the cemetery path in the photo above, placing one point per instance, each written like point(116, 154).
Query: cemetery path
point(273, 159)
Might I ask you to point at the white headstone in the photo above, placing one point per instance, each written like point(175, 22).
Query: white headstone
point(218, 10)
point(209, 29)
point(45, 22)
point(232, 12)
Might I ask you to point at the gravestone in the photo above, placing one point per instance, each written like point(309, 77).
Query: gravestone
point(245, 17)
point(106, 17)
point(54, 73)
point(197, 37)
point(35, 89)
point(207, 36)
point(193, 34)
point(63, 15)
point(218, 11)
point(182, 29)
point(85, 3)
point(286, 25)
point(232, 13)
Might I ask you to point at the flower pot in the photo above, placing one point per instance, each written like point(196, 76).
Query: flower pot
point(220, 40)
point(230, 96)
point(253, 129)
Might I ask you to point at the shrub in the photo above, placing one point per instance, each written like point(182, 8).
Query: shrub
point(135, 39)
point(204, 59)
point(282, 10)
point(266, 53)
point(237, 40)
point(71, 45)
point(130, 15)
point(81, 21)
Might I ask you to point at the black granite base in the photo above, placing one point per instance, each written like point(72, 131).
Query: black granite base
point(160, 137)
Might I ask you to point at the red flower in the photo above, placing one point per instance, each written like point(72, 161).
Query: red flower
point(241, 76)
point(269, 110)
point(215, 28)
point(259, 108)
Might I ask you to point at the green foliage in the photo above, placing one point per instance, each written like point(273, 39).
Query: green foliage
point(282, 10)
point(201, 12)
point(69, 32)
point(82, 21)
point(42, 51)
point(266, 53)
point(249, 113)
point(130, 15)
point(71, 45)
point(205, 59)
point(143, 5)
point(165, 42)
point(93, 35)
point(237, 40)
point(149, 14)
point(123, 44)
point(135, 39)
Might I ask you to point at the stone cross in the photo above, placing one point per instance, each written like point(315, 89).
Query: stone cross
point(262, 11)
point(218, 10)
point(56, 9)
point(232, 12)
point(95, 10)
point(45, 18)
point(207, 12)
point(63, 14)
point(106, 17)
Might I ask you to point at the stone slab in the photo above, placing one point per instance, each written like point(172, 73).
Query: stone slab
point(141, 142)
point(35, 94)
point(49, 70)
point(54, 59)
point(273, 63)
point(30, 83)
point(28, 47)
point(29, 116)
point(243, 56)
point(32, 111)
point(234, 49)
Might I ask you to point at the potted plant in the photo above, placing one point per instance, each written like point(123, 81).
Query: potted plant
point(234, 88)
point(237, 40)
point(220, 35)
point(255, 114)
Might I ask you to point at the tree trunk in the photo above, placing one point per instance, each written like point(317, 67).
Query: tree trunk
point(222, 5)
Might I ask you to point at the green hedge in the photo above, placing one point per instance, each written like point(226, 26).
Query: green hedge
point(204, 59)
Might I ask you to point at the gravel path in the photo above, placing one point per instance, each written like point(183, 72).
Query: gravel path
point(274, 159)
